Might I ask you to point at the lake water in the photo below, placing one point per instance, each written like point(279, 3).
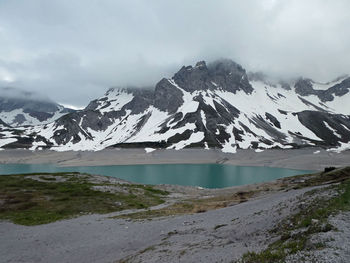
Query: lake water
point(203, 175)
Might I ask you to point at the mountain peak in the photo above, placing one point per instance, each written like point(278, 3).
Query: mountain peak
point(207, 105)
point(225, 73)
point(201, 65)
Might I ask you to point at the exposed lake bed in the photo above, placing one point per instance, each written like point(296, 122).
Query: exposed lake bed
point(302, 159)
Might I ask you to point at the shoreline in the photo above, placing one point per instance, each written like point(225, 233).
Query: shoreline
point(312, 159)
point(180, 163)
point(212, 225)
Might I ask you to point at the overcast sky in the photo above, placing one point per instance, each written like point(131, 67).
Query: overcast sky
point(74, 50)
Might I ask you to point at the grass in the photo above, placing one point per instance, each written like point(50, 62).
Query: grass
point(295, 232)
point(334, 176)
point(191, 206)
point(27, 201)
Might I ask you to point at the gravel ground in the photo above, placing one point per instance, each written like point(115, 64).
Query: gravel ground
point(336, 244)
point(219, 235)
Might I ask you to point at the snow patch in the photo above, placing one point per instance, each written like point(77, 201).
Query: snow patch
point(204, 119)
point(149, 150)
point(230, 145)
point(333, 130)
point(195, 137)
point(343, 147)
point(6, 141)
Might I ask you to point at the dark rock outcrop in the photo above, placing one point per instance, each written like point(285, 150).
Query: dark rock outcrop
point(304, 87)
point(167, 97)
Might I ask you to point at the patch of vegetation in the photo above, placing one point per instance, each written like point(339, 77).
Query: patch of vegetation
point(333, 176)
point(192, 206)
point(175, 209)
point(149, 189)
point(296, 231)
point(27, 201)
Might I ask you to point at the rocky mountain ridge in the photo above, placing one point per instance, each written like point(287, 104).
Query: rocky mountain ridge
point(209, 106)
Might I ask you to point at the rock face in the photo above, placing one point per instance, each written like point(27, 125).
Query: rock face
point(166, 98)
point(19, 108)
point(224, 73)
point(215, 105)
point(4, 125)
point(305, 87)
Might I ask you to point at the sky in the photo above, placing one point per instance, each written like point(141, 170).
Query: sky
point(74, 50)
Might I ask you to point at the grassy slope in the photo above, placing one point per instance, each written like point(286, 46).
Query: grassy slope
point(26, 201)
point(30, 202)
point(190, 206)
point(295, 232)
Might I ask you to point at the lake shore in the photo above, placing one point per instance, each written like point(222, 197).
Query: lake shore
point(224, 225)
point(305, 159)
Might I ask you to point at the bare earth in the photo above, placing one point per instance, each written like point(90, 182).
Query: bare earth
point(305, 159)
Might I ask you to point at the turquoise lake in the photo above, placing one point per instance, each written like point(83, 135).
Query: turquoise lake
point(203, 175)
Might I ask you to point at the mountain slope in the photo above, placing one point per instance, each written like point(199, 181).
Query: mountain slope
point(19, 108)
point(4, 125)
point(215, 105)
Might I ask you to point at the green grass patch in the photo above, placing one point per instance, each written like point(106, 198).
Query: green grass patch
point(191, 206)
point(31, 202)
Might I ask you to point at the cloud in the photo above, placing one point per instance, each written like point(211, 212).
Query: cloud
point(74, 50)
point(10, 93)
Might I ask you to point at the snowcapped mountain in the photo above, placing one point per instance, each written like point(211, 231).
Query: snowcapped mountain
point(209, 106)
point(20, 108)
point(4, 125)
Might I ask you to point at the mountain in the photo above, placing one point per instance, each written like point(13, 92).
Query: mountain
point(4, 125)
point(217, 105)
point(20, 108)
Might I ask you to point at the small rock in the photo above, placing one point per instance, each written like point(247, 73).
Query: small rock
point(314, 221)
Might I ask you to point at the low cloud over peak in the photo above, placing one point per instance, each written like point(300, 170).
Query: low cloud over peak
point(74, 51)
point(15, 93)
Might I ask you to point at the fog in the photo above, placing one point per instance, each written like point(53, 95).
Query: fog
point(73, 51)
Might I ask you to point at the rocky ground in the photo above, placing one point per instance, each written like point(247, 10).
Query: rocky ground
point(224, 234)
point(229, 224)
point(336, 243)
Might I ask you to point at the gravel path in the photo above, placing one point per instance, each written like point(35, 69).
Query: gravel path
point(218, 235)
